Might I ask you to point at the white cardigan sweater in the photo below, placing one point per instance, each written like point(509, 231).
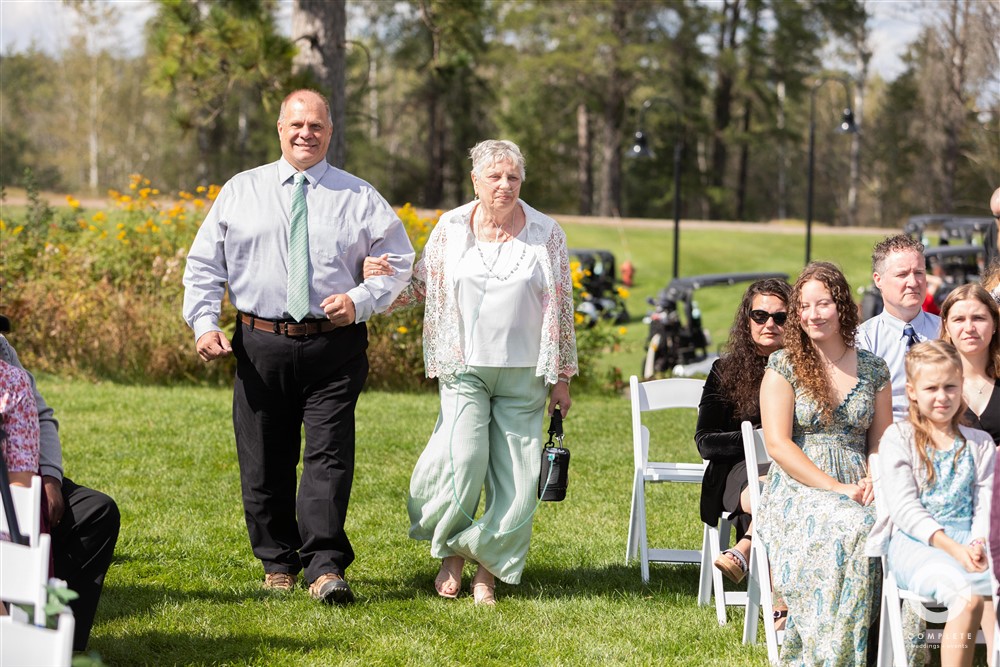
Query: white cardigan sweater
point(899, 476)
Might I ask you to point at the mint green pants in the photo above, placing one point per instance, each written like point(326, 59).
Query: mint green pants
point(487, 436)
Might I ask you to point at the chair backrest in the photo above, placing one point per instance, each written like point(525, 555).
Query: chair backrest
point(658, 395)
point(755, 454)
point(24, 573)
point(28, 509)
point(22, 644)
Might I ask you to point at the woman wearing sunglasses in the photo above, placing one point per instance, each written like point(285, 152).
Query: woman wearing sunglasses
point(732, 395)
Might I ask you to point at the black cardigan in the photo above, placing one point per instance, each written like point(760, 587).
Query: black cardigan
point(719, 441)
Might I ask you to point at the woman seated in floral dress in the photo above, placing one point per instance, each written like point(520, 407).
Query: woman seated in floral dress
point(824, 405)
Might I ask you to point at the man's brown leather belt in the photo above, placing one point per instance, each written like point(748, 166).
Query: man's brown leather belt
point(293, 329)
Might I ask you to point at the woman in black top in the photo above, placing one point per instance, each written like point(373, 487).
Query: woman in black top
point(731, 396)
point(969, 321)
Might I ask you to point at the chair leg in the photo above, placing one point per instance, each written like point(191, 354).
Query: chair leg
point(632, 546)
point(759, 555)
point(640, 525)
point(884, 640)
point(753, 602)
point(894, 619)
point(705, 578)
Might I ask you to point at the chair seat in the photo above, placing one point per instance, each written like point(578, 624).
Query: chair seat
point(691, 473)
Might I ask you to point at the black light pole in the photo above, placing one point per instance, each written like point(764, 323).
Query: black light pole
point(641, 149)
point(846, 126)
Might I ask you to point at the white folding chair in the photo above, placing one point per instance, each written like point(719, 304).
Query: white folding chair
point(891, 635)
point(666, 394)
point(24, 572)
point(28, 645)
point(28, 509)
point(759, 594)
point(646, 397)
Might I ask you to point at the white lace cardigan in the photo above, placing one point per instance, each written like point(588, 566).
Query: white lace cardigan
point(433, 284)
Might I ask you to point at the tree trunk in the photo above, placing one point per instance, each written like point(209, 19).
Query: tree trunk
point(614, 118)
point(741, 182)
point(584, 161)
point(782, 155)
point(318, 30)
point(723, 103)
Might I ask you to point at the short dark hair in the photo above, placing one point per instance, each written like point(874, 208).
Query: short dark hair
point(891, 244)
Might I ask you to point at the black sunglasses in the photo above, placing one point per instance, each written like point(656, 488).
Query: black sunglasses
point(761, 317)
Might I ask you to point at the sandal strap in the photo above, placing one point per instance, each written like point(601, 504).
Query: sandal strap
point(740, 558)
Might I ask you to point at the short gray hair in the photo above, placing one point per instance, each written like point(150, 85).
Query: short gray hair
point(491, 151)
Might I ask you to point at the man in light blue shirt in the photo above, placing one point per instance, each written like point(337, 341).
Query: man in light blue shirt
point(289, 240)
point(899, 271)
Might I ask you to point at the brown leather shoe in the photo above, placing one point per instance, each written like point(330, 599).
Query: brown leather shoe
point(331, 589)
point(279, 581)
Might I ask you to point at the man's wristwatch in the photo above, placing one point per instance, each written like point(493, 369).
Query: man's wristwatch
point(566, 380)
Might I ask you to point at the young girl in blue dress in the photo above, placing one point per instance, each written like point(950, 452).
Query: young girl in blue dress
point(936, 482)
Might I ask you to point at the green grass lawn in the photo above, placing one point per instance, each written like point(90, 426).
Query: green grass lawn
point(712, 251)
point(184, 587)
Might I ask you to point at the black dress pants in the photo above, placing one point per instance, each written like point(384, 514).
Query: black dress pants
point(282, 384)
point(82, 546)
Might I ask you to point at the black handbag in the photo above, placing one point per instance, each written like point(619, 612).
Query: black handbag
point(554, 474)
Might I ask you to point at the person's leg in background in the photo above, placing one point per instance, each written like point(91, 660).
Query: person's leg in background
point(83, 545)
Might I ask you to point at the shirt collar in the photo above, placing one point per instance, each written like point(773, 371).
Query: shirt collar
point(313, 174)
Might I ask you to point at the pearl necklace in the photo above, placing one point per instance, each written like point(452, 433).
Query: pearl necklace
point(496, 239)
point(490, 267)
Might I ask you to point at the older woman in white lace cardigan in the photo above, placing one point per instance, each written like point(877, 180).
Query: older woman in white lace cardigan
point(498, 334)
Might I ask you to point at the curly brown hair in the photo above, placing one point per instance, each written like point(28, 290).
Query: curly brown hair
point(975, 292)
point(741, 368)
point(802, 353)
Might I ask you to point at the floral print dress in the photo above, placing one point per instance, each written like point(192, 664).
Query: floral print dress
point(815, 539)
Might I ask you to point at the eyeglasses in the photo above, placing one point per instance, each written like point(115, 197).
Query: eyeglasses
point(762, 316)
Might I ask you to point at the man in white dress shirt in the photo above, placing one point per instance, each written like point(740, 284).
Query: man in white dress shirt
point(289, 239)
point(899, 271)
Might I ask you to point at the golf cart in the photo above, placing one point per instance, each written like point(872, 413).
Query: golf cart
point(677, 341)
point(956, 260)
point(600, 299)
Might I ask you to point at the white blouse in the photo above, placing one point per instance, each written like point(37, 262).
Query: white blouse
point(433, 283)
point(500, 287)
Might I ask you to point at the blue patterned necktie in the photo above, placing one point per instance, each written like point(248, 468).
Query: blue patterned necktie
point(910, 335)
point(298, 253)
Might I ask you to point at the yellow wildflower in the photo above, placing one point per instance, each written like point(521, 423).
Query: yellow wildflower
point(622, 292)
point(72, 201)
point(100, 216)
point(201, 189)
point(578, 317)
point(121, 236)
point(402, 330)
point(622, 331)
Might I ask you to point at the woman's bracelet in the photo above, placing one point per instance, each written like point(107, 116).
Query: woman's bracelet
point(978, 542)
point(563, 379)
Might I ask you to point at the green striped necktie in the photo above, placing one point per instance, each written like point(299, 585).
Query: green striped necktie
point(298, 253)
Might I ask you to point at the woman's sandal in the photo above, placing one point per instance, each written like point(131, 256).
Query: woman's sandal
point(780, 617)
point(483, 591)
point(735, 568)
point(449, 579)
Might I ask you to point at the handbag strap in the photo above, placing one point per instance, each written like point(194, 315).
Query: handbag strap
point(556, 427)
